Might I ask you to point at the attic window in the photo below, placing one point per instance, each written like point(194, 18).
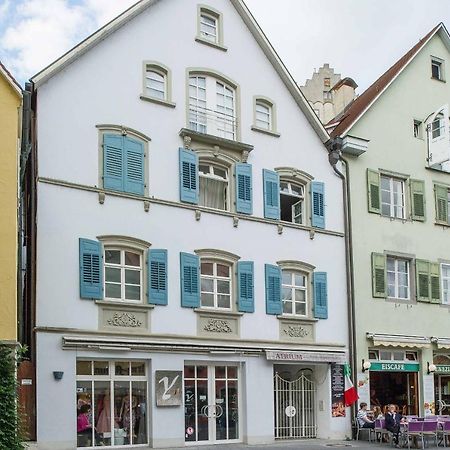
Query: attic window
point(437, 69)
point(417, 127)
point(210, 27)
point(326, 82)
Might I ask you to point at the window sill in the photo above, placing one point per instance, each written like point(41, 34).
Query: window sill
point(218, 312)
point(158, 101)
point(123, 304)
point(211, 44)
point(443, 224)
point(264, 131)
point(438, 79)
point(437, 170)
point(297, 318)
point(403, 301)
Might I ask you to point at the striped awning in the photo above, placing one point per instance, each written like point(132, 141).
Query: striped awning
point(399, 340)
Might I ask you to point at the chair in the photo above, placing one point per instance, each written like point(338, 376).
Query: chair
point(381, 431)
point(444, 431)
point(359, 429)
point(414, 428)
point(430, 428)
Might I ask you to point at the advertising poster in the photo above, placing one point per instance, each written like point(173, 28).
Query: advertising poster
point(337, 390)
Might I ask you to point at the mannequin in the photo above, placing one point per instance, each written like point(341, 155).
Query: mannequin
point(125, 413)
point(104, 417)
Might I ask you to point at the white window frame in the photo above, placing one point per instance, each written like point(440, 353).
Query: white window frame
point(149, 76)
point(295, 288)
point(204, 17)
point(445, 284)
point(123, 267)
point(265, 109)
point(111, 378)
point(211, 175)
point(208, 33)
point(212, 106)
point(393, 208)
point(438, 125)
point(301, 198)
point(215, 279)
point(159, 69)
point(439, 63)
point(396, 277)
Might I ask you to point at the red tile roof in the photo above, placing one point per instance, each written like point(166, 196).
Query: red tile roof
point(358, 106)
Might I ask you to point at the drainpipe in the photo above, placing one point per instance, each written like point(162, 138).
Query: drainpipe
point(334, 147)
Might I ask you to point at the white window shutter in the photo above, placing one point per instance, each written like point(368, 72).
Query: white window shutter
point(439, 148)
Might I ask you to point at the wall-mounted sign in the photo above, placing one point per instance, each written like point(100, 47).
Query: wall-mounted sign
point(274, 355)
point(337, 390)
point(394, 367)
point(168, 387)
point(442, 368)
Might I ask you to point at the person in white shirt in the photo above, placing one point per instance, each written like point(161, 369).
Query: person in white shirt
point(361, 417)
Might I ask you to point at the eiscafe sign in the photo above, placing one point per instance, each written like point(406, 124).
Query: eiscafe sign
point(273, 355)
point(394, 367)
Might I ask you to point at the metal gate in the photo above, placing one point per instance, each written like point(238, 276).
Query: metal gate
point(295, 414)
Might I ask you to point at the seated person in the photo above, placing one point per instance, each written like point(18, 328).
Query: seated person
point(393, 420)
point(377, 414)
point(363, 420)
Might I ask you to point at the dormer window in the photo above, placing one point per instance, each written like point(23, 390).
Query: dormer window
point(437, 69)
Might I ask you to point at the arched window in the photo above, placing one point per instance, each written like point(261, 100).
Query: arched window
point(214, 185)
point(157, 84)
point(263, 115)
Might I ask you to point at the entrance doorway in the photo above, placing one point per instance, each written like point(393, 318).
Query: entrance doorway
point(211, 403)
point(399, 388)
point(442, 388)
point(295, 405)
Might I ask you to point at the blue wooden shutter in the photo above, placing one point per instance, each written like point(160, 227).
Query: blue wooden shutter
point(246, 291)
point(318, 204)
point(190, 280)
point(273, 289)
point(134, 166)
point(271, 182)
point(91, 269)
point(244, 189)
point(113, 162)
point(157, 277)
point(320, 295)
point(188, 176)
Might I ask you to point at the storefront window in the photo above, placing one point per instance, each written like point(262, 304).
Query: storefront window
point(111, 403)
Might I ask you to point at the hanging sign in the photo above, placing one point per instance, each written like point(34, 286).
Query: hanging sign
point(337, 390)
point(394, 367)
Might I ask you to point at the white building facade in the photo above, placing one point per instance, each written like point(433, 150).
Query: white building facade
point(190, 249)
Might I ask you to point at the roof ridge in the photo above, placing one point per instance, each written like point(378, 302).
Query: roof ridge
point(363, 101)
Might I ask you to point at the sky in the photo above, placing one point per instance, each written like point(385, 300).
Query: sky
point(358, 38)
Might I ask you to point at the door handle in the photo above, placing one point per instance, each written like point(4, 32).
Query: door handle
point(219, 410)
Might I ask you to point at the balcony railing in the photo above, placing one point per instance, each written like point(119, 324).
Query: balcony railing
point(217, 123)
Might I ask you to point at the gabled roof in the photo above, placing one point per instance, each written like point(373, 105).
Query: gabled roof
point(102, 33)
point(10, 79)
point(362, 103)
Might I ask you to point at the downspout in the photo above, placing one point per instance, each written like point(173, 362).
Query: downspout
point(334, 147)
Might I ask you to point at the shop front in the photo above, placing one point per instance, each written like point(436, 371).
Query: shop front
point(441, 362)
point(393, 378)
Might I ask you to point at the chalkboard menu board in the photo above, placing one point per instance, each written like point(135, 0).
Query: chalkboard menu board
point(337, 390)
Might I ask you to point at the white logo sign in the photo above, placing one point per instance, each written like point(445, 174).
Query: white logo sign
point(290, 411)
point(167, 387)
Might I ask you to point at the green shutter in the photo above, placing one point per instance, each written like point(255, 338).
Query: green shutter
point(435, 283)
point(417, 192)
point(379, 275)
point(373, 191)
point(423, 280)
point(441, 195)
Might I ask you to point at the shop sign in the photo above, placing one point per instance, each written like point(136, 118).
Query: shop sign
point(394, 367)
point(168, 387)
point(273, 355)
point(442, 368)
point(337, 390)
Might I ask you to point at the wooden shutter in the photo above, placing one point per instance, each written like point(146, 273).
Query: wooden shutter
point(273, 289)
point(91, 269)
point(188, 176)
point(441, 196)
point(157, 277)
point(243, 173)
point(379, 288)
point(373, 191)
point(190, 280)
point(417, 191)
point(435, 283)
point(271, 190)
point(318, 204)
point(246, 291)
point(134, 166)
point(320, 295)
point(422, 280)
point(113, 162)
